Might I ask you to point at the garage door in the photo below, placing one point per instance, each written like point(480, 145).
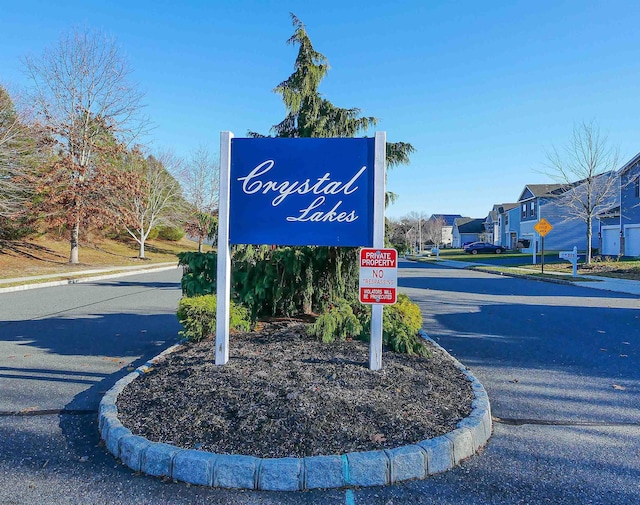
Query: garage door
point(610, 241)
point(632, 241)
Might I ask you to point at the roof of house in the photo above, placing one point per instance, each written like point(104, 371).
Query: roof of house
point(504, 207)
point(630, 164)
point(447, 218)
point(553, 190)
point(492, 217)
point(469, 225)
point(538, 190)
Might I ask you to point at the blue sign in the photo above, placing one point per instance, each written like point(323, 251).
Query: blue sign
point(302, 191)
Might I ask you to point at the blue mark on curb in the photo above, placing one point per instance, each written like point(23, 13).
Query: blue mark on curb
point(345, 470)
point(349, 497)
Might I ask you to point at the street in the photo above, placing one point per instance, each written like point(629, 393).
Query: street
point(560, 365)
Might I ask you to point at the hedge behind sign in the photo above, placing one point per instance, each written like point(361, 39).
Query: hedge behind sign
point(308, 191)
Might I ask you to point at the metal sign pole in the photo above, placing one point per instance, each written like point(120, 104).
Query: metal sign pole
point(380, 150)
point(223, 289)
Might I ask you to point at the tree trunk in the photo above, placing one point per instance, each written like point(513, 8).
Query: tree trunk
point(200, 243)
point(589, 237)
point(141, 250)
point(74, 242)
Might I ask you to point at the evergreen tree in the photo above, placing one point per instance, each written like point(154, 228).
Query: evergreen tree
point(17, 146)
point(319, 275)
point(309, 114)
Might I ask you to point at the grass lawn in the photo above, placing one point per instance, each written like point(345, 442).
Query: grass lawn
point(460, 255)
point(50, 255)
point(624, 268)
point(534, 271)
point(621, 269)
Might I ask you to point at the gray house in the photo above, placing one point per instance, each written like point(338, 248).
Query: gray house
point(620, 225)
point(447, 226)
point(502, 227)
point(466, 229)
point(556, 203)
point(630, 207)
point(508, 225)
point(491, 227)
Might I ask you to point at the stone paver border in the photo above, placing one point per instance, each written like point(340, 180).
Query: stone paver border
point(372, 468)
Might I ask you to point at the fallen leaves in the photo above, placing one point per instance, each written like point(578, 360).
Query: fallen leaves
point(618, 387)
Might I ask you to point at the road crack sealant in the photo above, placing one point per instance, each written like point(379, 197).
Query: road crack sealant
point(551, 422)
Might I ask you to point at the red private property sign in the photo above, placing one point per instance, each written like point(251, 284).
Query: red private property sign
point(378, 276)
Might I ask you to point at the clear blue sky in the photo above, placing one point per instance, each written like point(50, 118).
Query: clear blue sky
point(481, 89)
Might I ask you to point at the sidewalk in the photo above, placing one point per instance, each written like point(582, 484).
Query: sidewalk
point(594, 282)
point(35, 281)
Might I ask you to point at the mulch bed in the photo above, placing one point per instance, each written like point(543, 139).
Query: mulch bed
point(284, 393)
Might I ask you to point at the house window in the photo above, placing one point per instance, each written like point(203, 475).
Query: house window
point(506, 219)
point(532, 212)
point(524, 210)
point(637, 187)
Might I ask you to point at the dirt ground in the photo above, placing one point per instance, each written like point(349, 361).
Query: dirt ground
point(284, 393)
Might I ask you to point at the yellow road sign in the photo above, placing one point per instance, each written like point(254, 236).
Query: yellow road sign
point(543, 227)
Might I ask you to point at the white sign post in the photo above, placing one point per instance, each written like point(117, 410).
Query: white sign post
point(223, 287)
point(572, 257)
point(380, 160)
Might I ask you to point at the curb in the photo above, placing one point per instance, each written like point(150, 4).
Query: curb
point(71, 280)
point(361, 469)
point(525, 276)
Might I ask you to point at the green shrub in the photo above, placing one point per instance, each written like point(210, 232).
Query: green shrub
point(400, 326)
point(339, 321)
point(293, 280)
point(171, 233)
point(198, 273)
point(153, 233)
point(278, 282)
point(15, 228)
point(198, 317)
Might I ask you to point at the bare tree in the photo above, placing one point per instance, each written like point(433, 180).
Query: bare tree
point(433, 230)
point(201, 190)
point(418, 220)
point(84, 96)
point(160, 197)
point(587, 167)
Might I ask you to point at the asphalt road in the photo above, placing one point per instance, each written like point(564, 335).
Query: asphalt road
point(560, 364)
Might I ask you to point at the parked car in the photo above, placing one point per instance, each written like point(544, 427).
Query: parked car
point(483, 247)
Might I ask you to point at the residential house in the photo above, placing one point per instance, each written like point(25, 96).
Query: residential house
point(620, 225)
point(491, 225)
point(447, 226)
point(508, 225)
point(496, 225)
point(630, 207)
point(553, 203)
point(466, 229)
